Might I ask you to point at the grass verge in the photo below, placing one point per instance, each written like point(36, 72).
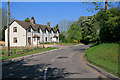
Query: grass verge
point(68, 44)
point(28, 53)
point(105, 56)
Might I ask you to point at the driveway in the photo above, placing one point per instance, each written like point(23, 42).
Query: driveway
point(67, 62)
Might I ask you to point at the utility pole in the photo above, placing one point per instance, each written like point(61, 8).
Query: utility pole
point(43, 39)
point(106, 6)
point(8, 21)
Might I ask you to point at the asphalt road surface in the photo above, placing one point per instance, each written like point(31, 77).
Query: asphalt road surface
point(67, 62)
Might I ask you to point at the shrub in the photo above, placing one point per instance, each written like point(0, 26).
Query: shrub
point(75, 41)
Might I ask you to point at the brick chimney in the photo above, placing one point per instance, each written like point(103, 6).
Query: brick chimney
point(32, 21)
point(48, 23)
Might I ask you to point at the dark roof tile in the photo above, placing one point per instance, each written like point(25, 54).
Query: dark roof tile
point(26, 25)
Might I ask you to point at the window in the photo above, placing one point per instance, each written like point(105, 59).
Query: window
point(29, 29)
point(15, 40)
point(46, 39)
point(14, 29)
point(29, 40)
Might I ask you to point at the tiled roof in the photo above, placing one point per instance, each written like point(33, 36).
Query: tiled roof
point(26, 25)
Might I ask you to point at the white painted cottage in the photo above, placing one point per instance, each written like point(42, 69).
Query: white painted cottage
point(28, 33)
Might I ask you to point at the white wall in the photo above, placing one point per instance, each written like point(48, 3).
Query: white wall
point(30, 34)
point(35, 42)
point(55, 39)
point(20, 34)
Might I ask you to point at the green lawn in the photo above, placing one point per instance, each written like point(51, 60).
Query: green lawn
point(28, 53)
point(105, 56)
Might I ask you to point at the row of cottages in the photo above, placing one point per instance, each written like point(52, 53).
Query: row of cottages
point(28, 33)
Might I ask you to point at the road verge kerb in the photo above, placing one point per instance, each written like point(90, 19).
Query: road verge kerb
point(24, 57)
point(108, 75)
point(103, 72)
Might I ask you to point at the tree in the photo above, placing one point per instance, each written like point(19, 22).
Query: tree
point(27, 20)
point(4, 23)
point(74, 33)
point(100, 5)
point(83, 30)
point(110, 30)
point(57, 26)
point(88, 31)
point(62, 37)
point(64, 25)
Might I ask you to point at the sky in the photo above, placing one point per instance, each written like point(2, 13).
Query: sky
point(52, 12)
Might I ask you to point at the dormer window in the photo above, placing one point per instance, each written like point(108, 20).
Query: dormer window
point(29, 29)
point(14, 29)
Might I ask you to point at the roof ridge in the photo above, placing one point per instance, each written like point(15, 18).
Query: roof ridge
point(26, 25)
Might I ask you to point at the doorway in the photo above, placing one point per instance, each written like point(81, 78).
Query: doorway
point(29, 40)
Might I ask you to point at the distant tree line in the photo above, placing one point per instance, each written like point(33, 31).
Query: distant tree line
point(3, 23)
point(99, 28)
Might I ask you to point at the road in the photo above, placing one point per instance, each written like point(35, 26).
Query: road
point(67, 62)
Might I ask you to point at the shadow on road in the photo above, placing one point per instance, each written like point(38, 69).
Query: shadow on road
point(22, 70)
point(55, 73)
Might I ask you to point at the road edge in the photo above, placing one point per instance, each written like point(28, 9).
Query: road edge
point(25, 57)
point(106, 74)
point(109, 75)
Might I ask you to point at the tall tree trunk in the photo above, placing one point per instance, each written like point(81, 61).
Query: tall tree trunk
point(106, 5)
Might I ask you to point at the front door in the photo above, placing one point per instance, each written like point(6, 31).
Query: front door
point(29, 40)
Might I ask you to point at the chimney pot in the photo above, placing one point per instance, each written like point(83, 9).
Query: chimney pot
point(48, 23)
point(32, 21)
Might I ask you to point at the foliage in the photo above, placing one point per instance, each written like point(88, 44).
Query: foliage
point(75, 41)
point(3, 12)
point(88, 30)
point(64, 25)
point(57, 26)
point(62, 37)
point(27, 20)
point(83, 30)
point(74, 32)
point(109, 25)
point(105, 56)
point(97, 28)
point(101, 5)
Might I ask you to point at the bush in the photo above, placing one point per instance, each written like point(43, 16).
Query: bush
point(110, 30)
point(75, 41)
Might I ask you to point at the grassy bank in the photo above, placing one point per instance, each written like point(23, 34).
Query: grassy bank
point(37, 50)
point(105, 56)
